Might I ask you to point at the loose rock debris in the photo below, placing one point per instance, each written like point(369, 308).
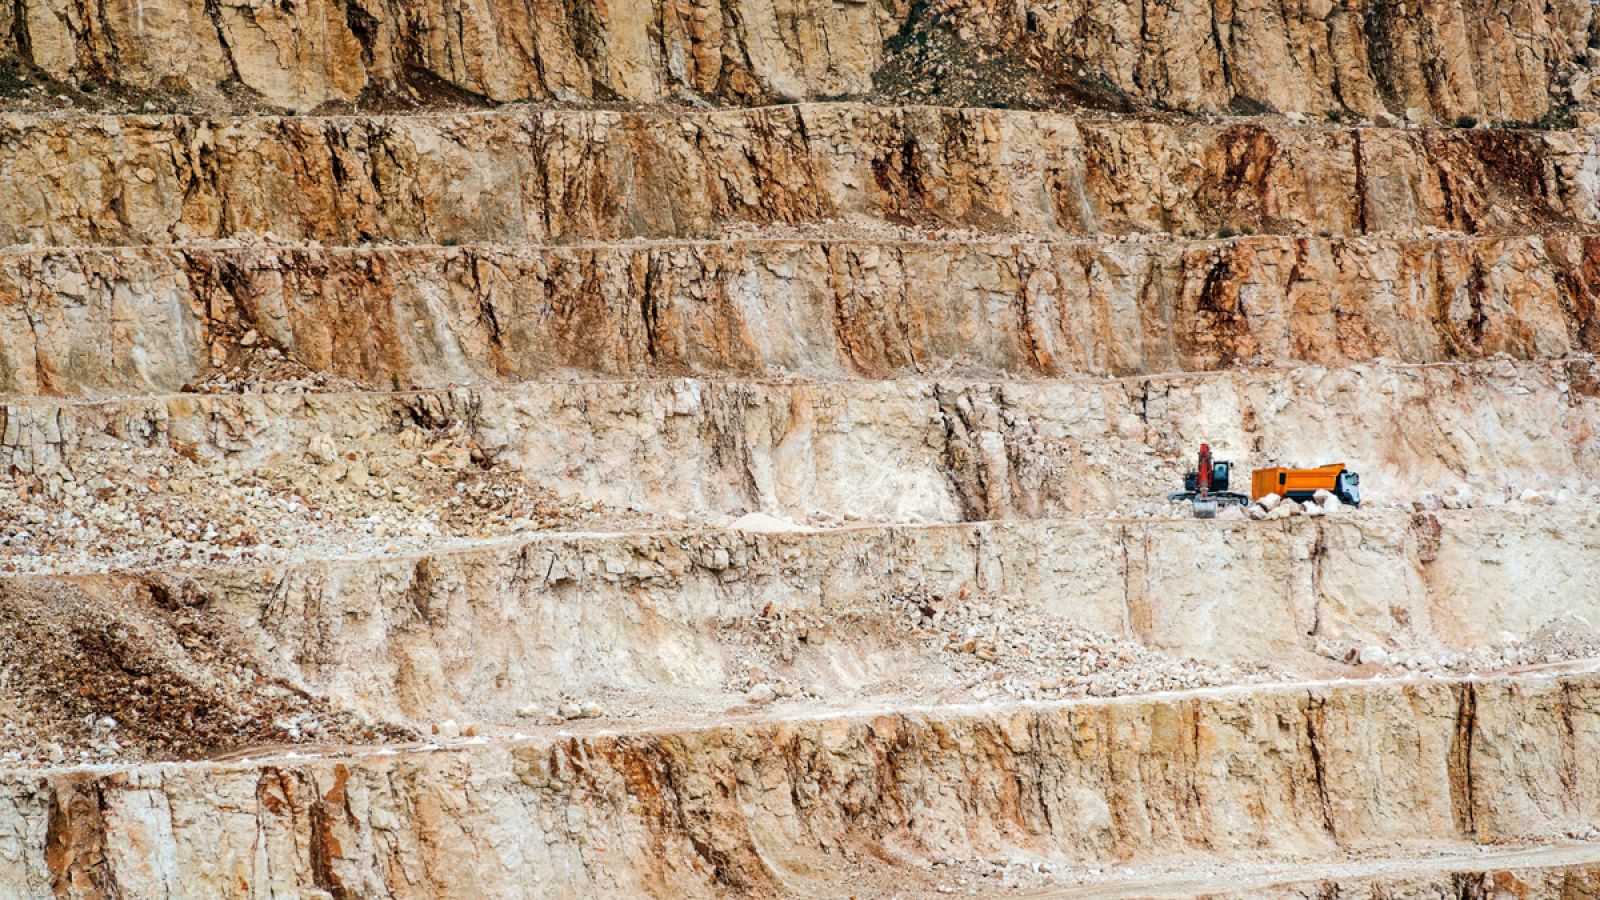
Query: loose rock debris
point(122, 505)
point(90, 675)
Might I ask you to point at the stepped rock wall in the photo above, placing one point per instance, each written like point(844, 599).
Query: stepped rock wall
point(301, 415)
point(560, 176)
point(481, 632)
point(752, 806)
point(304, 55)
point(93, 322)
point(1499, 61)
point(908, 451)
point(1493, 61)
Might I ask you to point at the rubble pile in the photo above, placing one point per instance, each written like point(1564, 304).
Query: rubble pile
point(125, 505)
point(1014, 652)
point(91, 676)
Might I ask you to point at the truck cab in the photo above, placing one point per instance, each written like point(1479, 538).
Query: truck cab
point(1349, 488)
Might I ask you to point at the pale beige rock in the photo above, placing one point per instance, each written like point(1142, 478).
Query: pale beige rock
point(304, 55)
point(563, 176)
point(504, 628)
point(894, 450)
point(626, 310)
point(95, 322)
point(1442, 59)
point(1289, 772)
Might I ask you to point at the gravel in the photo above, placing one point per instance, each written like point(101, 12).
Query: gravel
point(91, 675)
point(1020, 653)
point(126, 506)
point(970, 647)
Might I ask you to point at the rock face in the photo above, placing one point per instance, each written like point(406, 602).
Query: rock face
point(685, 812)
point(304, 55)
point(96, 322)
point(1494, 61)
point(398, 639)
point(690, 448)
point(937, 450)
point(1457, 59)
point(564, 176)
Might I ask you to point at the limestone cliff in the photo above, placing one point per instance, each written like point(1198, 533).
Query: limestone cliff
point(721, 448)
point(96, 322)
point(756, 806)
point(560, 176)
point(1514, 61)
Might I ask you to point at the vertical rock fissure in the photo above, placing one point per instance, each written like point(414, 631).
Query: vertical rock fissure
point(903, 303)
point(20, 37)
point(325, 850)
point(1318, 551)
point(1377, 26)
point(962, 468)
point(1196, 815)
point(41, 365)
point(488, 317)
point(649, 313)
point(694, 826)
point(1361, 181)
point(214, 12)
point(1222, 50)
point(1569, 743)
point(1127, 581)
point(579, 24)
point(730, 444)
point(75, 842)
point(1040, 764)
point(840, 277)
point(364, 28)
point(1462, 789)
point(107, 65)
point(1028, 329)
point(1316, 718)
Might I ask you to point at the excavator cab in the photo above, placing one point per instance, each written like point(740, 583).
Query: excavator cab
point(1220, 470)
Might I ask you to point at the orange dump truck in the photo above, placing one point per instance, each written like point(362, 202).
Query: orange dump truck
point(1302, 484)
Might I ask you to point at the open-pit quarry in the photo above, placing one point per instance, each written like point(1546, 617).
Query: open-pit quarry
point(721, 448)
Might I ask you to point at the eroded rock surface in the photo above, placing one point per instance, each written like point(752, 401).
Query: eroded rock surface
point(1279, 771)
point(692, 448)
point(940, 450)
point(563, 176)
point(1513, 62)
point(96, 322)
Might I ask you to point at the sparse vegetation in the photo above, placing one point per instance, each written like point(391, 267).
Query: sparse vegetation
point(1242, 105)
point(928, 62)
point(1559, 117)
point(14, 83)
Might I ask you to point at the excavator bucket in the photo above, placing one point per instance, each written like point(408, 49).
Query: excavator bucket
point(1205, 509)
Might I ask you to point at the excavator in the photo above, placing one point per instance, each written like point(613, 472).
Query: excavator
point(1207, 486)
